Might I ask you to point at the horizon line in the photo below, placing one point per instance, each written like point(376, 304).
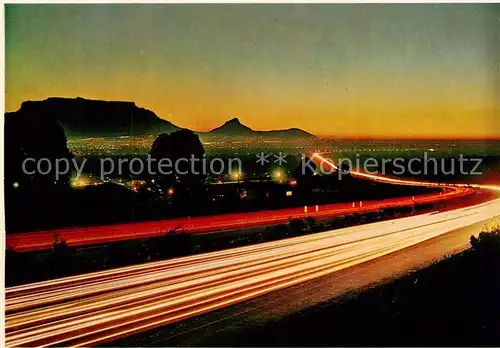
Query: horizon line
point(320, 136)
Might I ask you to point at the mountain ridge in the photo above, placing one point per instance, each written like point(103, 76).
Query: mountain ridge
point(84, 117)
point(234, 127)
point(81, 117)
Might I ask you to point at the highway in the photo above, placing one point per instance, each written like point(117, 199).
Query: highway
point(407, 182)
point(99, 307)
point(79, 236)
point(42, 240)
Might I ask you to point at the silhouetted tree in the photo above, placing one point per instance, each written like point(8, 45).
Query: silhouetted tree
point(37, 192)
point(185, 153)
point(34, 136)
point(162, 148)
point(487, 244)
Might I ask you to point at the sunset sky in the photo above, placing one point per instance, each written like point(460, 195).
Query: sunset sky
point(331, 69)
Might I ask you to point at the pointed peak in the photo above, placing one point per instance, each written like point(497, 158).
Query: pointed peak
point(234, 120)
point(233, 127)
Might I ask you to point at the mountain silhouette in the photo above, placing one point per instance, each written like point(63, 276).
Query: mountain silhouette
point(81, 117)
point(234, 127)
point(84, 117)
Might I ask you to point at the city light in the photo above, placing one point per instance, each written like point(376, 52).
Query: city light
point(278, 175)
point(237, 175)
point(79, 182)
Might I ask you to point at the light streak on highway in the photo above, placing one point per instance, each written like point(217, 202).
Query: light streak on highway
point(407, 182)
point(98, 307)
point(77, 236)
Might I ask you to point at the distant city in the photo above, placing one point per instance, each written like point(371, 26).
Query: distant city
point(140, 145)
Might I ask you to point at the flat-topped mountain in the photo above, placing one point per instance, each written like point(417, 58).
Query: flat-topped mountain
point(84, 117)
point(81, 117)
point(234, 127)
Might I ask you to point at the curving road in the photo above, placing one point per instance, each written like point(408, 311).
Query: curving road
point(78, 236)
point(98, 307)
point(31, 241)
